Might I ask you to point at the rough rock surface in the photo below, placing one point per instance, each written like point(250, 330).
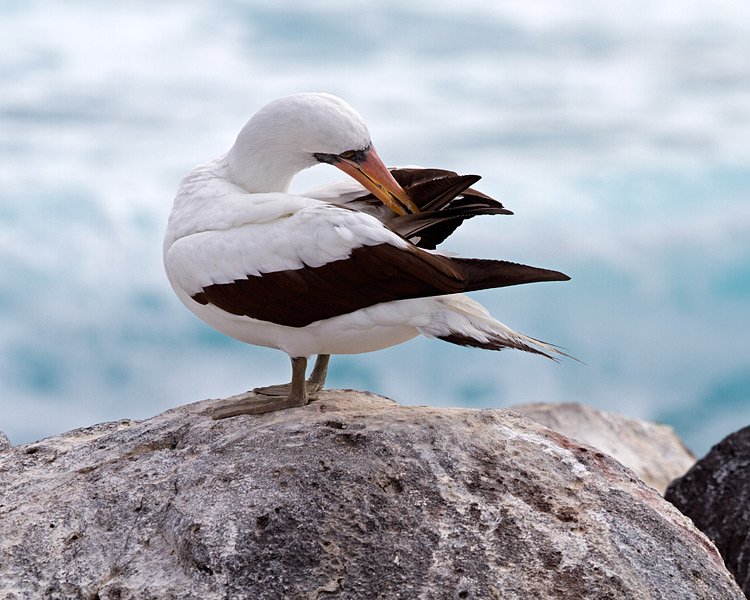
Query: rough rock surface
point(653, 451)
point(715, 494)
point(350, 497)
point(4, 441)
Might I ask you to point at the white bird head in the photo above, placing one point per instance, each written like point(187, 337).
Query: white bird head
point(295, 132)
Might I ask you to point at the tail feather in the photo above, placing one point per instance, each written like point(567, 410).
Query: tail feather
point(495, 342)
point(467, 323)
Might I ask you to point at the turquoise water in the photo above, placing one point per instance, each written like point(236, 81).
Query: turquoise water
point(619, 136)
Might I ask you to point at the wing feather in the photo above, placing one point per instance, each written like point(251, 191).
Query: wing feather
point(369, 276)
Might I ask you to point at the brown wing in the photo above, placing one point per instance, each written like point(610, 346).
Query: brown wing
point(445, 200)
point(369, 276)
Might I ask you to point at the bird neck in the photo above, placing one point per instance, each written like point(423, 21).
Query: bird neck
point(260, 163)
point(259, 176)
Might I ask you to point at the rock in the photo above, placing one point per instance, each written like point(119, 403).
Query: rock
point(653, 451)
point(4, 442)
point(351, 497)
point(715, 494)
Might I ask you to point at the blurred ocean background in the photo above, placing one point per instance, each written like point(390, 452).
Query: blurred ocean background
point(618, 133)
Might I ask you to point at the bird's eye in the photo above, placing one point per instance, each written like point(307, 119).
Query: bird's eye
point(357, 156)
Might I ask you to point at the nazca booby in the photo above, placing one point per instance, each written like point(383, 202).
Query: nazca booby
point(337, 270)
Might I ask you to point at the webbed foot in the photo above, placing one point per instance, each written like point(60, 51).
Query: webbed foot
point(253, 403)
point(279, 397)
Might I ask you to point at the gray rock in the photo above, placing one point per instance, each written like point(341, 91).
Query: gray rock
point(4, 442)
point(715, 494)
point(653, 451)
point(350, 497)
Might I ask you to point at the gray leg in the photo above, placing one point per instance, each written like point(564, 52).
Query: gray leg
point(314, 384)
point(257, 403)
point(318, 376)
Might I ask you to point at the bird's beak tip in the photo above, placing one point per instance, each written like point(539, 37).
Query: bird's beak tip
point(376, 177)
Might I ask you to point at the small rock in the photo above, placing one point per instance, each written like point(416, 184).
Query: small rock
point(715, 494)
point(4, 442)
point(352, 497)
point(653, 451)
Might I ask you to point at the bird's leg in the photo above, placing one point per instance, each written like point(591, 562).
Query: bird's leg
point(257, 403)
point(318, 376)
point(314, 384)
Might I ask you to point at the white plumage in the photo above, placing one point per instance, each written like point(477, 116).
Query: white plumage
point(308, 274)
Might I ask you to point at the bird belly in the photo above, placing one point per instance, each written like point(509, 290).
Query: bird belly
point(365, 330)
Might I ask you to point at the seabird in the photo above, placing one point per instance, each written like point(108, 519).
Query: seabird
point(343, 269)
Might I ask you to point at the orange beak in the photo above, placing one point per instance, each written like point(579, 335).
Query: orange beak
point(374, 175)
